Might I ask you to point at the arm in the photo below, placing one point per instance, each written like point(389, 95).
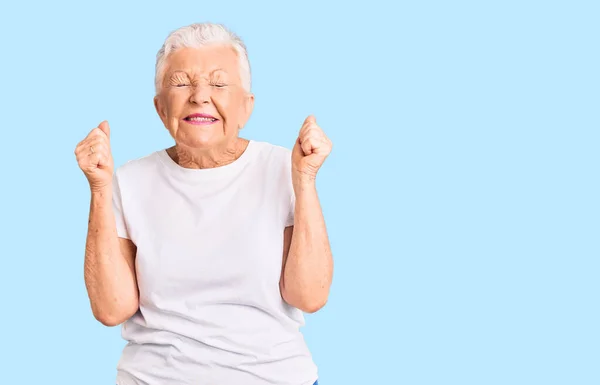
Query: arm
point(308, 264)
point(109, 268)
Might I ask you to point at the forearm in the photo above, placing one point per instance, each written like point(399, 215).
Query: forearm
point(309, 266)
point(111, 288)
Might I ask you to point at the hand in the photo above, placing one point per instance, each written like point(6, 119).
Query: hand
point(310, 151)
point(95, 159)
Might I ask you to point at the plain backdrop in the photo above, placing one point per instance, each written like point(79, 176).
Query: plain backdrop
point(461, 195)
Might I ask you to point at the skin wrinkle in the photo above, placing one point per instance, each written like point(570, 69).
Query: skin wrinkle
point(204, 80)
point(207, 80)
point(193, 85)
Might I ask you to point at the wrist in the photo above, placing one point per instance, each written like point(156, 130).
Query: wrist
point(101, 192)
point(304, 183)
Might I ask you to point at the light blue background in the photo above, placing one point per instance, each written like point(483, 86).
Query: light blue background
point(461, 195)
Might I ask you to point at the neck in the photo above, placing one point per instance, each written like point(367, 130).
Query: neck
point(208, 158)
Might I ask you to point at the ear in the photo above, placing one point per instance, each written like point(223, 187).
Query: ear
point(159, 110)
point(248, 107)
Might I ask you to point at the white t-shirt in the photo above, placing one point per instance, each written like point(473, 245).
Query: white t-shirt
point(209, 258)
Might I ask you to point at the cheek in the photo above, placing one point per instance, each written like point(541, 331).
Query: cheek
point(172, 111)
point(175, 103)
point(230, 107)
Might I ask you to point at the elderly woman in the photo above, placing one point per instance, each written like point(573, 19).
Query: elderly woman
point(208, 251)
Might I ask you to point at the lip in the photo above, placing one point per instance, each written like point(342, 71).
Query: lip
point(200, 115)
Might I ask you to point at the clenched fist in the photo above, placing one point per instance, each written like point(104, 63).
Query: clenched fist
point(95, 159)
point(310, 151)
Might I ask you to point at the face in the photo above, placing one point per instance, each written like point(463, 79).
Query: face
point(204, 82)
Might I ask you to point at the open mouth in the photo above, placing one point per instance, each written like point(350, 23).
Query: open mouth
point(200, 119)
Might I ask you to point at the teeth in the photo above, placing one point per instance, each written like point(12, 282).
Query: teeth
point(201, 119)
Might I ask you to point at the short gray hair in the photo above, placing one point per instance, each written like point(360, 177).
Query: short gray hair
point(198, 35)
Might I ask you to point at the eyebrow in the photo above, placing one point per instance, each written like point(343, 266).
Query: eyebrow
point(184, 72)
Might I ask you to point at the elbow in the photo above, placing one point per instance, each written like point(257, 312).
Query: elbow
point(305, 302)
point(115, 317)
point(108, 320)
point(313, 306)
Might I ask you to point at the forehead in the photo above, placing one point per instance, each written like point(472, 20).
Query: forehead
point(202, 61)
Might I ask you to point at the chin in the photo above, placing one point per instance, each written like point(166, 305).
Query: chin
point(203, 141)
point(199, 137)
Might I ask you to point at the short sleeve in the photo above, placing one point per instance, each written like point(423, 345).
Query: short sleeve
point(117, 204)
point(290, 217)
point(289, 190)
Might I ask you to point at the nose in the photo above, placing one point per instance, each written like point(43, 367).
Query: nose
point(200, 94)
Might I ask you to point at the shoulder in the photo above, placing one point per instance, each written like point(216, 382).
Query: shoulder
point(138, 167)
point(272, 152)
point(275, 161)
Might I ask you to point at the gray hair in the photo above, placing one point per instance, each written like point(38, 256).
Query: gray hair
point(198, 35)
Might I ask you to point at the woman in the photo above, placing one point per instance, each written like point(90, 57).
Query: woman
point(208, 251)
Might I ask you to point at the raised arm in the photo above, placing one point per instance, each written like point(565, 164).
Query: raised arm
point(109, 269)
point(308, 263)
